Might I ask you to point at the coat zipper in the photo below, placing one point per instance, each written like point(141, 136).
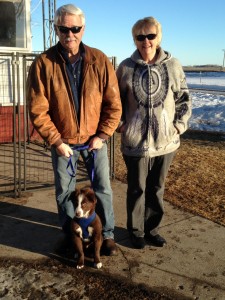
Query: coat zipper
point(149, 110)
point(71, 97)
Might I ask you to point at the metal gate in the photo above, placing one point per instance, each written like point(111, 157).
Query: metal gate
point(25, 159)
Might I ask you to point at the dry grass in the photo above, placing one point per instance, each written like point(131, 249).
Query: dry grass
point(196, 179)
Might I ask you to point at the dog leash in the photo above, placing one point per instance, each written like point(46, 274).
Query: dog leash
point(70, 164)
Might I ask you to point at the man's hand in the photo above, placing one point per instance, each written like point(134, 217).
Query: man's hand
point(64, 150)
point(95, 143)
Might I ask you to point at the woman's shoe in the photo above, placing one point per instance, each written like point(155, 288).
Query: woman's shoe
point(155, 240)
point(137, 241)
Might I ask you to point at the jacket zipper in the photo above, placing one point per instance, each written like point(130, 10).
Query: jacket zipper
point(85, 69)
point(149, 110)
point(71, 97)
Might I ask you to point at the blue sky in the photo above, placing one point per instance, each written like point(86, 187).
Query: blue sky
point(193, 30)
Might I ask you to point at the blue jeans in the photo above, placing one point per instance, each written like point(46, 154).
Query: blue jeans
point(65, 185)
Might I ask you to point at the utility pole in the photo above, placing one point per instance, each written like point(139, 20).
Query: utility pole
point(49, 36)
point(223, 57)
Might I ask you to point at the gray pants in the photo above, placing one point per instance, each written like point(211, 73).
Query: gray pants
point(146, 184)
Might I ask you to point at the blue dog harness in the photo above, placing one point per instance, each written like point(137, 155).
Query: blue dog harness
point(84, 223)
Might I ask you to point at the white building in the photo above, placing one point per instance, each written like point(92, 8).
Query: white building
point(15, 42)
point(15, 32)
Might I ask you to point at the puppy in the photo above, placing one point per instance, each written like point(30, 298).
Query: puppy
point(86, 226)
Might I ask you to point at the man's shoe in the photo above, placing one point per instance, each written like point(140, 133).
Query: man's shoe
point(109, 247)
point(137, 242)
point(155, 240)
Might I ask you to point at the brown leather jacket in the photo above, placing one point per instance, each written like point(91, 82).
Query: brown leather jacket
point(51, 104)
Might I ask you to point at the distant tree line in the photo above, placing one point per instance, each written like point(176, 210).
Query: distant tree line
point(204, 68)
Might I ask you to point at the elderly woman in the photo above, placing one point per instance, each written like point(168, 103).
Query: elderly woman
point(156, 109)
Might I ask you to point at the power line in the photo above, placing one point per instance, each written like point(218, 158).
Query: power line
point(33, 10)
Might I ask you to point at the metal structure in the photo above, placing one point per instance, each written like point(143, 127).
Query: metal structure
point(48, 11)
point(23, 154)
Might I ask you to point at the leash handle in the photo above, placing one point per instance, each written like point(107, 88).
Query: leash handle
point(70, 164)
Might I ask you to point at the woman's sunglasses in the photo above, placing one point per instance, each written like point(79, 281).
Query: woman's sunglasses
point(142, 37)
point(74, 29)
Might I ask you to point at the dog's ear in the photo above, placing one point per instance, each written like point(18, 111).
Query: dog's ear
point(91, 195)
point(74, 195)
point(76, 192)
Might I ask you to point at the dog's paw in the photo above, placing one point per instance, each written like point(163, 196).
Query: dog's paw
point(98, 265)
point(79, 267)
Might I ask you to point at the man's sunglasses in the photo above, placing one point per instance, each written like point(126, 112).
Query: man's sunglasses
point(74, 29)
point(142, 37)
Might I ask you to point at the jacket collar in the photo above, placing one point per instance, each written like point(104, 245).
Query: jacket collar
point(85, 52)
point(62, 51)
point(162, 56)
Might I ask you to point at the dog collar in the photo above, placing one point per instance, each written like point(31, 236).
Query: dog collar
point(84, 223)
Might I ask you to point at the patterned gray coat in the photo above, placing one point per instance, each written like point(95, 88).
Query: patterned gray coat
point(156, 105)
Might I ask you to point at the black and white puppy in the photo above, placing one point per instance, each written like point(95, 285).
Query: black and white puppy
point(86, 226)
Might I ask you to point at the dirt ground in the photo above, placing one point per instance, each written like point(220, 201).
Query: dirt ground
point(196, 179)
point(195, 184)
point(52, 280)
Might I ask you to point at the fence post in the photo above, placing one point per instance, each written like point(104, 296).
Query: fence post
point(14, 122)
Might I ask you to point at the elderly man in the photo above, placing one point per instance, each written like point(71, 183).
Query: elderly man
point(74, 104)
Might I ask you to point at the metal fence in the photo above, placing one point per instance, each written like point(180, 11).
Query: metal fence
point(25, 159)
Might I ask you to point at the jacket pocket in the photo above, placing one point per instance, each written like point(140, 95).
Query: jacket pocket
point(62, 113)
point(134, 131)
point(91, 110)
